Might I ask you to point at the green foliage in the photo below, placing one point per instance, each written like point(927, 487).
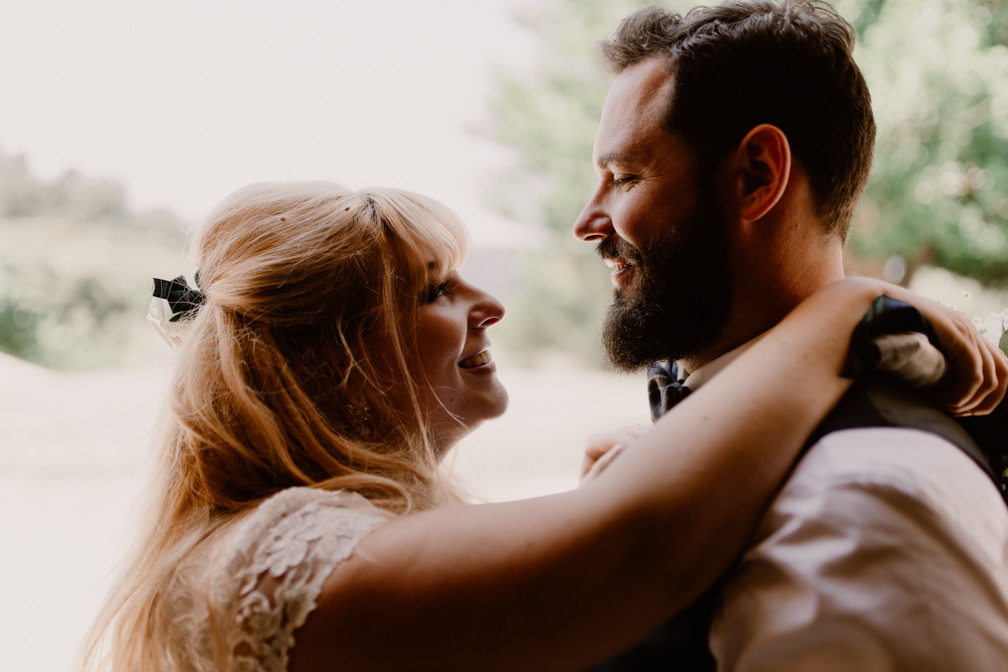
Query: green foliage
point(552, 118)
point(75, 267)
point(938, 193)
point(938, 72)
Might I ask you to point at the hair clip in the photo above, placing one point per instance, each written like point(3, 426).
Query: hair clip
point(172, 300)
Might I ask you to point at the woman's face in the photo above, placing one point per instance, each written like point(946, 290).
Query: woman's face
point(453, 348)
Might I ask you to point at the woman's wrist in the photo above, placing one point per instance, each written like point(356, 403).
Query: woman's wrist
point(977, 375)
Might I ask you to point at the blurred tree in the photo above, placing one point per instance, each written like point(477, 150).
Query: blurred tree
point(75, 266)
point(938, 72)
point(551, 119)
point(938, 193)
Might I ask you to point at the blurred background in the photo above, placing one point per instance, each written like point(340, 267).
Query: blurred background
point(123, 123)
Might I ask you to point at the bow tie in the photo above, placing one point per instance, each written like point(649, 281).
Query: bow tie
point(665, 390)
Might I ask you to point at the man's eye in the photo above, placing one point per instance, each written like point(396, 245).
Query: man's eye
point(619, 180)
point(436, 291)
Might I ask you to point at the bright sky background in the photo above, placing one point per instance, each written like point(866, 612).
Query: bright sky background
point(187, 100)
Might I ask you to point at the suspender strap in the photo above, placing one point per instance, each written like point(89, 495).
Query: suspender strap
point(880, 401)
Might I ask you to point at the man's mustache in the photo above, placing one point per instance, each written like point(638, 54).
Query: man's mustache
point(614, 247)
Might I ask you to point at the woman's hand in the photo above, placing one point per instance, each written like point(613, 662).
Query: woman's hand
point(977, 377)
point(604, 447)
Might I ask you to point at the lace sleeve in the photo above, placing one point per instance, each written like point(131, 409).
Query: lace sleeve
point(276, 564)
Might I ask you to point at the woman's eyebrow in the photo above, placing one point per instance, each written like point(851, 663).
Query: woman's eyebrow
point(437, 271)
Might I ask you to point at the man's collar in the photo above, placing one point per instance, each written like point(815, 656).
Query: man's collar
point(696, 379)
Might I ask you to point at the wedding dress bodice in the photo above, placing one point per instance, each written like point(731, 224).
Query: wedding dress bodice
point(262, 577)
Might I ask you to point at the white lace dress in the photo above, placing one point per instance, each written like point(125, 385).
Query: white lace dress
point(262, 576)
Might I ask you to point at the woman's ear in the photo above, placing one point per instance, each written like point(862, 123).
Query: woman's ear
point(764, 168)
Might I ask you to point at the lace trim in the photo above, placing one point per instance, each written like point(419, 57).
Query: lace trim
point(278, 562)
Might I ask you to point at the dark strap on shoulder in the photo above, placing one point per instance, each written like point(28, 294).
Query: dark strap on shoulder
point(878, 400)
point(991, 433)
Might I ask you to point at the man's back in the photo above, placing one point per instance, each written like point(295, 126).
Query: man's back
point(886, 550)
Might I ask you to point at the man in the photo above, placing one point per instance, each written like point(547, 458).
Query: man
point(733, 147)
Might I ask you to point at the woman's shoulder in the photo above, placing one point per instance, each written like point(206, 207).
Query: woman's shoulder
point(301, 515)
point(297, 527)
point(271, 565)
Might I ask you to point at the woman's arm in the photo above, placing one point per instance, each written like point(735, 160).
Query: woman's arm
point(973, 394)
point(561, 582)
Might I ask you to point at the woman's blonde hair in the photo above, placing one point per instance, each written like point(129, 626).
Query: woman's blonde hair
point(296, 371)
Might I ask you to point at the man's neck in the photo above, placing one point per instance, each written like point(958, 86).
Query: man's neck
point(729, 341)
point(695, 378)
point(766, 293)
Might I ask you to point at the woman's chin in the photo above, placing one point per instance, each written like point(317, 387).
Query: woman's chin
point(490, 407)
point(502, 404)
point(487, 404)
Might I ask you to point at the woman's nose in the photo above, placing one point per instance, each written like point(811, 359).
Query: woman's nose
point(486, 310)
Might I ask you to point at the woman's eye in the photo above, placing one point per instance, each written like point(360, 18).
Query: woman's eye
point(436, 291)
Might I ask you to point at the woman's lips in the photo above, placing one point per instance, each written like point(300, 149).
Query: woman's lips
point(476, 360)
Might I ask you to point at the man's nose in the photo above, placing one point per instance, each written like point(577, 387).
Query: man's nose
point(593, 224)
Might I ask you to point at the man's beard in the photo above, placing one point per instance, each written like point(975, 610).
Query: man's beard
point(683, 291)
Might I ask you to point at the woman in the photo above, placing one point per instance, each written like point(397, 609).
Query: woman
point(336, 347)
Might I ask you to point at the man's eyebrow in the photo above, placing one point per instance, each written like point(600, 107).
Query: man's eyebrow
point(618, 157)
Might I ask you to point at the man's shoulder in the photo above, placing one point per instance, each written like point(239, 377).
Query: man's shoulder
point(867, 477)
point(886, 434)
point(885, 540)
point(905, 458)
point(909, 461)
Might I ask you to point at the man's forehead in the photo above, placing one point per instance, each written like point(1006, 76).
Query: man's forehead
point(634, 108)
point(642, 84)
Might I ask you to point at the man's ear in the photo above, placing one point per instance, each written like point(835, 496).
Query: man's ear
point(764, 168)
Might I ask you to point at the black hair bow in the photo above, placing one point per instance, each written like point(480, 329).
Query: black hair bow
point(181, 297)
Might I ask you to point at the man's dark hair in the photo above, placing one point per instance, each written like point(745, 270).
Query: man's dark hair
point(751, 62)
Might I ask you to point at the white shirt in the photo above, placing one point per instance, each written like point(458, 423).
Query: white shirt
point(887, 549)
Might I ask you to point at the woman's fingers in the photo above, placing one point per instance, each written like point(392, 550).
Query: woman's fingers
point(990, 378)
point(967, 367)
point(976, 381)
point(1002, 390)
point(603, 462)
point(991, 394)
point(600, 444)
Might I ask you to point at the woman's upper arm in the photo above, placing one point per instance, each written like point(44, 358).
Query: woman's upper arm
point(462, 587)
point(565, 581)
